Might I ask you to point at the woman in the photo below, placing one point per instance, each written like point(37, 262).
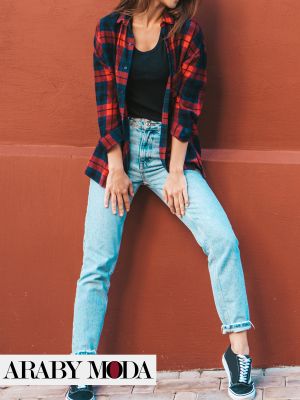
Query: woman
point(150, 74)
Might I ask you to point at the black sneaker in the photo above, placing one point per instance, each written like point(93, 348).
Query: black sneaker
point(80, 392)
point(238, 370)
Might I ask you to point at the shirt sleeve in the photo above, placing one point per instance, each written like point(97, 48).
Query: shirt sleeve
point(190, 95)
point(109, 120)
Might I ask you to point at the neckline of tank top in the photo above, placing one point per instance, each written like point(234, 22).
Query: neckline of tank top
point(160, 39)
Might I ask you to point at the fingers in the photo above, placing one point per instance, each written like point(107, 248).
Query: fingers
point(185, 197)
point(165, 196)
point(171, 203)
point(126, 201)
point(181, 204)
point(120, 204)
point(131, 191)
point(118, 199)
point(106, 196)
point(113, 202)
point(169, 199)
point(177, 202)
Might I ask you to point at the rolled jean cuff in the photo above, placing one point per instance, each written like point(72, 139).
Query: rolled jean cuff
point(237, 327)
point(84, 352)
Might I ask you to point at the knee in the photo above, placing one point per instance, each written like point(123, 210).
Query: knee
point(95, 273)
point(93, 281)
point(224, 241)
point(231, 239)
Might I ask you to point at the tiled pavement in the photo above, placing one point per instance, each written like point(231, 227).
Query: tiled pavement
point(271, 384)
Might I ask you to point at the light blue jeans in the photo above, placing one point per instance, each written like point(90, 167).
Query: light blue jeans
point(205, 218)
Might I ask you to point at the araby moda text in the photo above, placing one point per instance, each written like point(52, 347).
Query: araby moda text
point(27, 369)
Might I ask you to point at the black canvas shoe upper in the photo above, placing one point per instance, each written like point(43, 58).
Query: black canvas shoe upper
point(80, 392)
point(240, 371)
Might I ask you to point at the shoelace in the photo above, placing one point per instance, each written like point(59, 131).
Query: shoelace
point(244, 366)
point(78, 387)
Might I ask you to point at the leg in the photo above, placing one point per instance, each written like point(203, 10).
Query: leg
point(239, 342)
point(207, 220)
point(101, 244)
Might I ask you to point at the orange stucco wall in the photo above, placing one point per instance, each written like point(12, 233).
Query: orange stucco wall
point(160, 301)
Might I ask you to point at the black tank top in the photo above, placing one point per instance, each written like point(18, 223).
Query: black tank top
point(147, 81)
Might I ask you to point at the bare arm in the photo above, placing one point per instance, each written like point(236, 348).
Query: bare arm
point(118, 183)
point(175, 188)
point(187, 108)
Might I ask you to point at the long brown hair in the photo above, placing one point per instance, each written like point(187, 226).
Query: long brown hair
point(184, 10)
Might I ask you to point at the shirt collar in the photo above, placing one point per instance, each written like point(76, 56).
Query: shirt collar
point(166, 18)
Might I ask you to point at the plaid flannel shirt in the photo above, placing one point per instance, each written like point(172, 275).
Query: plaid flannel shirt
point(183, 99)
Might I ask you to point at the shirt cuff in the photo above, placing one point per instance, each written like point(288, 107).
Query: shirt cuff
point(181, 133)
point(110, 139)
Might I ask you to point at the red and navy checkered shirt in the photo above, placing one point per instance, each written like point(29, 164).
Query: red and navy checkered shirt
point(183, 99)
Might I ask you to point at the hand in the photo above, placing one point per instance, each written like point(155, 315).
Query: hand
point(117, 186)
point(175, 192)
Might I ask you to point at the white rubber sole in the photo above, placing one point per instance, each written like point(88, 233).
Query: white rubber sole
point(234, 396)
point(68, 398)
